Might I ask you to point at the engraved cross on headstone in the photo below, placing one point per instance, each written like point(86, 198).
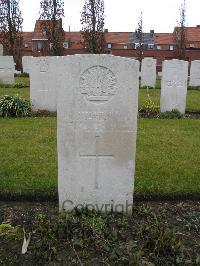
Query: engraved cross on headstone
point(97, 156)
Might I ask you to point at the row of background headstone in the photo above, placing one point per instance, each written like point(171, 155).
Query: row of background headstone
point(148, 71)
point(44, 81)
point(7, 70)
point(1, 49)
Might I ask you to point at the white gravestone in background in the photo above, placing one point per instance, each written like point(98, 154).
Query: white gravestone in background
point(148, 72)
point(7, 69)
point(1, 49)
point(97, 124)
point(26, 63)
point(174, 85)
point(195, 73)
point(44, 83)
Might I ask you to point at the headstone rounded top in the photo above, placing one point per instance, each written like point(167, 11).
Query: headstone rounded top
point(98, 84)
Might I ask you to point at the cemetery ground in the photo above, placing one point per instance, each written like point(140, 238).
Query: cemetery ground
point(164, 228)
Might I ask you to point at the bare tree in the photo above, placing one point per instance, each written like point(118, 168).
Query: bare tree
point(180, 32)
point(92, 20)
point(11, 28)
point(140, 37)
point(51, 14)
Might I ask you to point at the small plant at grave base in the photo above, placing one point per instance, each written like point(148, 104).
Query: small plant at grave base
point(159, 240)
point(174, 114)
point(22, 75)
point(45, 248)
point(149, 106)
point(11, 238)
point(84, 237)
point(14, 106)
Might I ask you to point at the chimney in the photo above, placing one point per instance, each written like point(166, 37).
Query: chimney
point(152, 33)
point(198, 26)
point(106, 30)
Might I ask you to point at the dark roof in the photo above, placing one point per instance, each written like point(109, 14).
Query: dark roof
point(147, 38)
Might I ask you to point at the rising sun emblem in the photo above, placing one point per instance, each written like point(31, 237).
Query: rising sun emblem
point(98, 84)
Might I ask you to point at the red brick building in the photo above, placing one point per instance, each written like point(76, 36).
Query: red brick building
point(160, 46)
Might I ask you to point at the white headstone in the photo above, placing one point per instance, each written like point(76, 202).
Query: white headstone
point(7, 69)
point(26, 63)
point(174, 85)
point(148, 72)
point(1, 49)
point(44, 83)
point(195, 73)
point(97, 124)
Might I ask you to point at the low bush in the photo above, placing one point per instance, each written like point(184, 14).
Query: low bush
point(174, 114)
point(22, 75)
point(14, 106)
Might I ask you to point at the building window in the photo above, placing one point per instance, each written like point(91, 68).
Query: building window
point(171, 47)
point(109, 45)
point(133, 45)
point(67, 45)
point(125, 46)
point(44, 32)
point(38, 45)
point(192, 45)
point(25, 45)
point(158, 47)
point(150, 46)
point(145, 46)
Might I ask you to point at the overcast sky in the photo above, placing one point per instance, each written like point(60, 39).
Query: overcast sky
point(121, 15)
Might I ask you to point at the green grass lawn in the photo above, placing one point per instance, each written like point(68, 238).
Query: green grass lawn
point(23, 92)
point(167, 164)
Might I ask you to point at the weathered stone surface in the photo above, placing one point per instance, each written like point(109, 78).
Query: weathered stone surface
point(26, 63)
point(7, 69)
point(1, 49)
point(97, 124)
point(195, 73)
point(148, 72)
point(44, 79)
point(174, 85)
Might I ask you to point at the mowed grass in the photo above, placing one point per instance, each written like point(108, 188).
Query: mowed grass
point(28, 164)
point(167, 161)
point(168, 157)
point(22, 92)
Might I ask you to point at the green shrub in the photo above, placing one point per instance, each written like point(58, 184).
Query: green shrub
point(22, 75)
point(14, 106)
point(174, 114)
